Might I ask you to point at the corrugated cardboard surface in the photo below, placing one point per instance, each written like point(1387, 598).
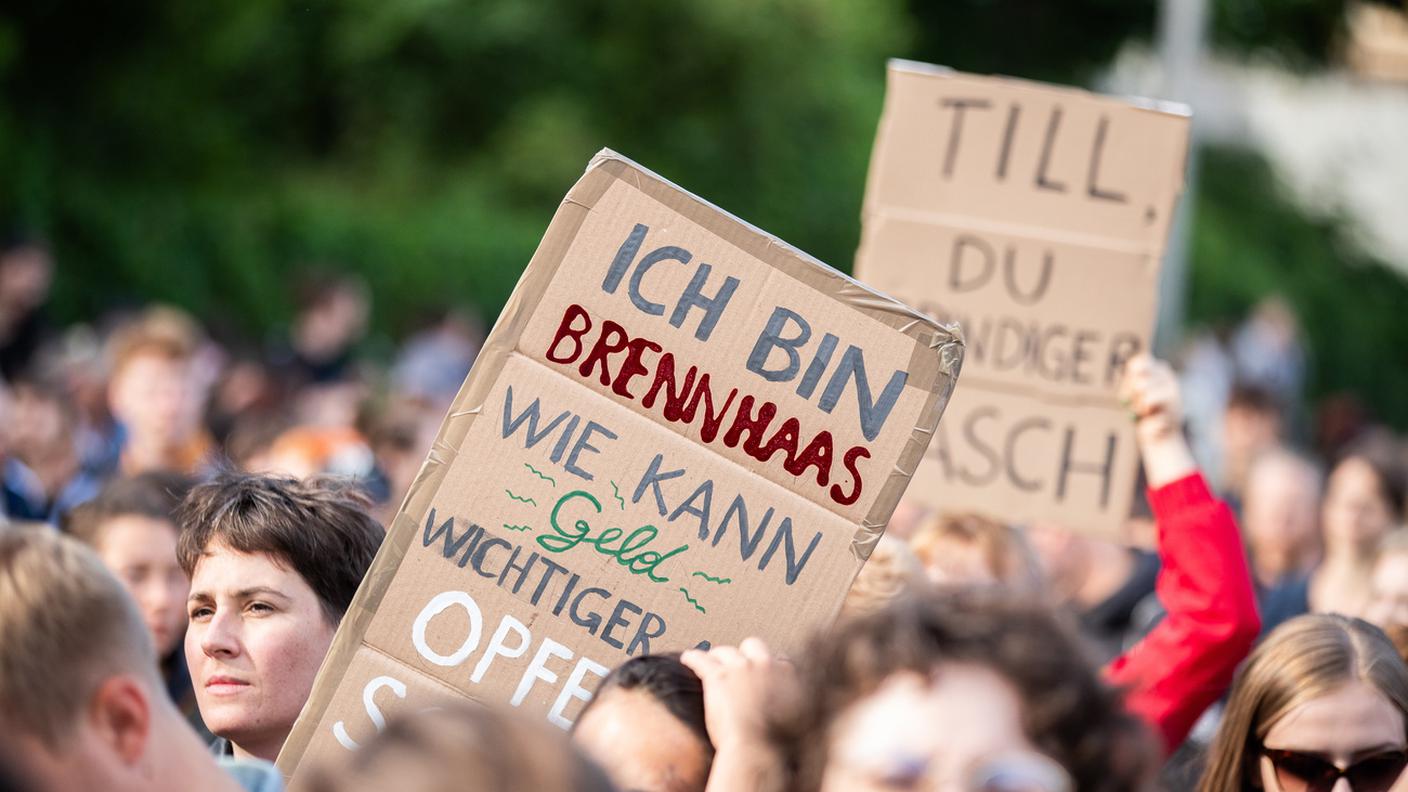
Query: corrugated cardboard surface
point(488, 587)
point(1035, 217)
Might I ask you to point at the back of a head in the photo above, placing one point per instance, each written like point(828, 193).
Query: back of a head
point(1067, 712)
point(66, 624)
point(464, 748)
point(155, 495)
point(320, 527)
point(1303, 659)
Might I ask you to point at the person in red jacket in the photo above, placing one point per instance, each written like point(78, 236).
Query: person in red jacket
point(1186, 662)
point(1167, 679)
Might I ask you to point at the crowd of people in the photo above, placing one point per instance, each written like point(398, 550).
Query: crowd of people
point(188, 519)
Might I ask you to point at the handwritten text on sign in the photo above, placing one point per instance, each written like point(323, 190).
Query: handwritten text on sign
point(1034, 217)
point(676, 419)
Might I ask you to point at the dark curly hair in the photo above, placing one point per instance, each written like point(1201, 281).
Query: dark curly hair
point(1067, 712)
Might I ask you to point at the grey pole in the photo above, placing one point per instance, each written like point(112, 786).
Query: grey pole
point(1182, 35)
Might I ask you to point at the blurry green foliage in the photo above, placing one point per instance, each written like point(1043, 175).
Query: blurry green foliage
point(201, 153)
point(1250, 242)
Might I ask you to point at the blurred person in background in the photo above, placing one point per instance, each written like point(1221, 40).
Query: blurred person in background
point(273, 563)
point(645, 726)
point(1252, 425)
point(433, 363)
point(331, 319)
point(1322, 704)
point(892, 570)
point(1280, 519)
point(131, 526)
point(401, 433)
point(26, 273)
point(81, 704)
point(1269, 353)
point(1363, 496)
point(1388, 598)
point(1109, 586)
point(42, 430)
point(965, 549)
point(245, 387)
point(304, 451)
point(963, 689)
point(909, 514)
point(156, 397)
point(463, 747)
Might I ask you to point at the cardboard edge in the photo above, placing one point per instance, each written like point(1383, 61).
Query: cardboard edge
point(934, 364)
point(1164, 106)
point(543, 265)
point(938, 355)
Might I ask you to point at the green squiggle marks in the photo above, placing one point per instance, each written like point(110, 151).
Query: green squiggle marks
point(617, 494)
point(692, 600)
point(712, 579)
point(519, 528)
point(539, 474)
point(521, 500)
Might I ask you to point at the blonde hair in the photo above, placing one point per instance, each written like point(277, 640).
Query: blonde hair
point(1302, 660)
point(161, 331)
point(891, 571)
point(65, 624)
point(1006, 553)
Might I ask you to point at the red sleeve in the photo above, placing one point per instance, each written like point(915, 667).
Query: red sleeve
point(1186, 662)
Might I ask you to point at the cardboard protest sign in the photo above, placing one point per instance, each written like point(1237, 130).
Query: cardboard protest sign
point(681, 431)
point(1034, 217)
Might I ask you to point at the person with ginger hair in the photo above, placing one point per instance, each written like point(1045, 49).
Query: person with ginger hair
point(156, 398)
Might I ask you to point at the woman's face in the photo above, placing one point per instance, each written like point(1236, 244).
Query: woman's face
point(1352, 723)
point(960, 730)
point(1389, 605)
point(1356, 514)
point(640, 745)
point(256, 639)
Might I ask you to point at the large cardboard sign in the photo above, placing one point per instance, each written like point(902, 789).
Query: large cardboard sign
point(1035, 217)
point(681, 431)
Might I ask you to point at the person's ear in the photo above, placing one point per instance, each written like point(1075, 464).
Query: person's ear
point(121, 716)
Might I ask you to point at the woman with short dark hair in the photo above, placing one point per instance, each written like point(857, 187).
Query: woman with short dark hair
point(274, 563)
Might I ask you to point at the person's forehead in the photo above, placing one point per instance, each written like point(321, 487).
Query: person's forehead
point(152, 364)
point(137, 534)
point(1349, 719)
point(222, 568)
point(640, 743)
point(1353, 474)
point(965, 711)
point(633, 713)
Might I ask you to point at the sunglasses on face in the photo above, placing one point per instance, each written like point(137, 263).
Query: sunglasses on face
point(1305, 772)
